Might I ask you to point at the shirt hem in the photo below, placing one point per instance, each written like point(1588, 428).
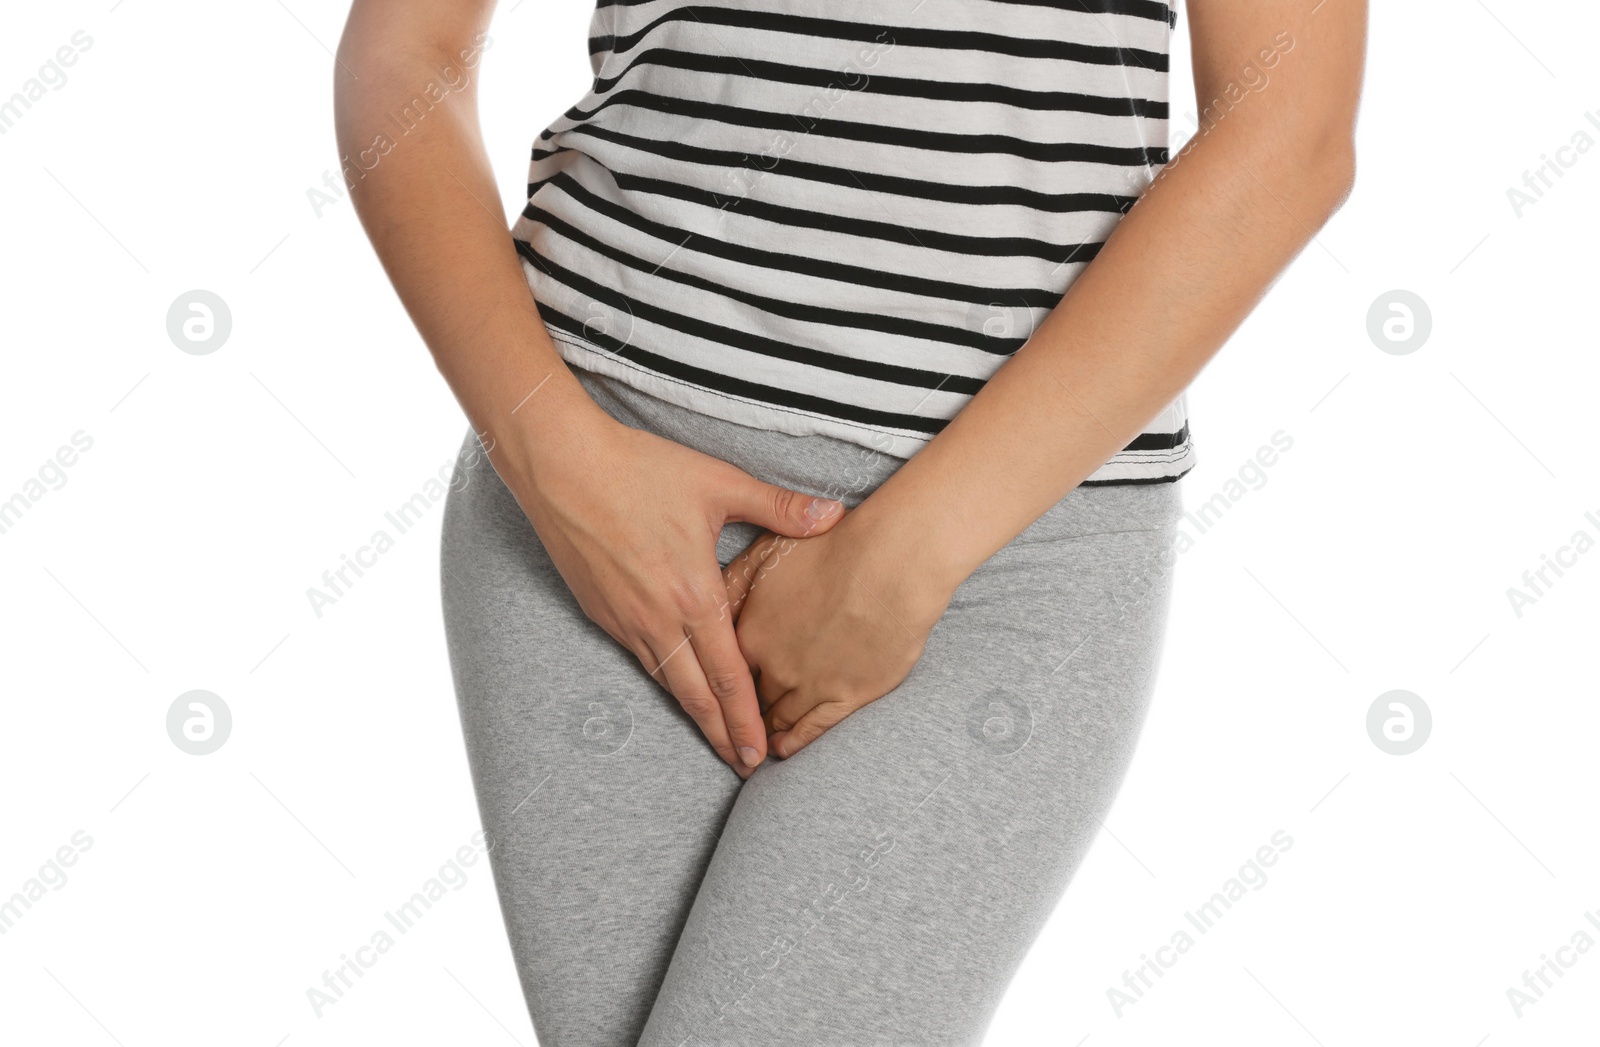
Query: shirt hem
point(1123, 468)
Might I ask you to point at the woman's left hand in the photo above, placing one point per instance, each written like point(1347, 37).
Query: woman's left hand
point(828, 624)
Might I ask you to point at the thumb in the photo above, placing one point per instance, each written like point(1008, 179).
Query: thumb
point(782, 511)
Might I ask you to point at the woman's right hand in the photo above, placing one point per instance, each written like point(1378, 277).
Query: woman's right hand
point(631, 521)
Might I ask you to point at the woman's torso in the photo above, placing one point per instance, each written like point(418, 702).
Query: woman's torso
point(840, 217)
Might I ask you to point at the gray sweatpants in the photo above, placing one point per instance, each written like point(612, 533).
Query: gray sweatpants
point(880, 887)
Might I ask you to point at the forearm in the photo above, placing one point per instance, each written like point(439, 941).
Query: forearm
point(1179, 274)
point(428, 202)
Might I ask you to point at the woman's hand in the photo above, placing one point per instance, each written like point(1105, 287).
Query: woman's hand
point(828, 624)
point(631, 521)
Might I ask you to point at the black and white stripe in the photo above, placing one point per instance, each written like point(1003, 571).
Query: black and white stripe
point(842, 216)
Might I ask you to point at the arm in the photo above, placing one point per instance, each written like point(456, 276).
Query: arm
point(1178, 275)
point(629, 519)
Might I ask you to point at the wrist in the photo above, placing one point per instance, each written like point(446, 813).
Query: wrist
point(915, 561)
point(545, 439)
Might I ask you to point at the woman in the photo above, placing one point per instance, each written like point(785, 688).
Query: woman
point(804, 608)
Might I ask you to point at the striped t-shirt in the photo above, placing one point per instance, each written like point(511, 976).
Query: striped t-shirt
point(842, 216)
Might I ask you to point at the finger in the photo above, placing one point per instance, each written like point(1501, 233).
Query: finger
point(781, 510)
point(769, 688)
point(782, 711)
point(739, 577)
point(728, 678)
point(810, 727)
point(680, 671)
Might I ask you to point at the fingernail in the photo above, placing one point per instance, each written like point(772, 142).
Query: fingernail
point(749, 755)
point(823, 508)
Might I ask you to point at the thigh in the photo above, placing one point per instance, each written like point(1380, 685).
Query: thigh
point(882, 886)
point(601, 799)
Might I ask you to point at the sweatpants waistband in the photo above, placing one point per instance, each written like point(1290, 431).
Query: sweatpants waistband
point(819, 465)
point(833, 468)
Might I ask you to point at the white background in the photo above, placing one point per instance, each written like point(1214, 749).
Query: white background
point(217, 889)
